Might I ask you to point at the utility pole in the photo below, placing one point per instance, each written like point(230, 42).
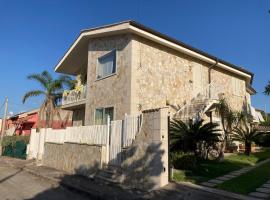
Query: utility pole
point(3, 125)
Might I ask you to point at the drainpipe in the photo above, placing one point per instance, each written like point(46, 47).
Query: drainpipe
point(210, 81)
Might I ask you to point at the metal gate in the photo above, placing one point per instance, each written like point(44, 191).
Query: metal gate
point(115, 143)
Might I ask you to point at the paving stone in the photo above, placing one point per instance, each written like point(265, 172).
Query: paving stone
point(208, 184)
point(244, 170)
point(264, 190)
point(223, 178)
point(216, 181)
point(229, 176)
point(236, 173)
point(267, 185)
point(259, 194)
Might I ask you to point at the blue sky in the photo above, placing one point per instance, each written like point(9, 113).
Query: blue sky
point(35, 34)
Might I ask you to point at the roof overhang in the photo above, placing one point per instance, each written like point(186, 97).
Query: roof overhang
point(77, 53)
point(251, 90)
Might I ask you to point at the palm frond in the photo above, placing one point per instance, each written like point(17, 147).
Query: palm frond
point(67, 81)
point(47, 76)
point(267, 89)
point(39, 78)
point(33, 93)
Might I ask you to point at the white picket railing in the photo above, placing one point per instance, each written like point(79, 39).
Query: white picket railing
point(132, 126)
point(208, 94)
point(115, 136)
point(87, 134)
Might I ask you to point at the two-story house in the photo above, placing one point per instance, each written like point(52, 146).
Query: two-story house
point(127, 67)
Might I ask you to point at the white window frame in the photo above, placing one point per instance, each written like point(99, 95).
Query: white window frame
point(103, 113)
point(98, 64)
point(236, 87)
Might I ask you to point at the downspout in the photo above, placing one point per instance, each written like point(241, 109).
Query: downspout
point(210, 81)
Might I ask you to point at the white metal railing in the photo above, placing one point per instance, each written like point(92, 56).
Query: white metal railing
point(210, 93)
point(115, 135)
point(73, 96)
point(132, 126)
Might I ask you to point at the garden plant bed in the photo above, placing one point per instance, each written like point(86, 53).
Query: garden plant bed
point(209, 169)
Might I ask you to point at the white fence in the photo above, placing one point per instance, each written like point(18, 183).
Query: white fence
point(115, 136)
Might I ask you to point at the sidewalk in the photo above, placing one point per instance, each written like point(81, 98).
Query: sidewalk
point(94, 190)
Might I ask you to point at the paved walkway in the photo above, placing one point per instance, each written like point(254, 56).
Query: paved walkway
point(231, 175)
point(85, 186)
point(262, 192)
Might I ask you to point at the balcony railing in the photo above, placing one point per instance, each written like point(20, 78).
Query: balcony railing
point(74, 96)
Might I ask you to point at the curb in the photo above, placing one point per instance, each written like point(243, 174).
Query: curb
point(217, 191)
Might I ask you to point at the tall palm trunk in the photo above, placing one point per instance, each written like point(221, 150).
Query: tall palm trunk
point(247, 148)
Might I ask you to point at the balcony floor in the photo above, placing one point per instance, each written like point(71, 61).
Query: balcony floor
point(75, 105)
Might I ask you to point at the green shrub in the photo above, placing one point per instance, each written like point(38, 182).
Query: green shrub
point(264, 140)
point(184, 161)
point(15, 146)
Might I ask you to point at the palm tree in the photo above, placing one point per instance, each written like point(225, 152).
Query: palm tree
point(267, 89)
point(228, 121)
point(194, 136)
point(51, 90)
point(247, 136)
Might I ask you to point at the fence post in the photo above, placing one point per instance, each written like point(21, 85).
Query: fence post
point(124, 131)
point(108, 140)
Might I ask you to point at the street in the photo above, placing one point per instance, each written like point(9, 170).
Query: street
point(17, 184)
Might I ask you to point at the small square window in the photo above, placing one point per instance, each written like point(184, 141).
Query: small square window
point(106, 65)
point(102, 114)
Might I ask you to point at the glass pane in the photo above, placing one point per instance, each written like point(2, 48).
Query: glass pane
point(108, 111)
point(99, 116)
point(107, 64)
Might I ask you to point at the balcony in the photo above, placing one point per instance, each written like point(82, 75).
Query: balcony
point(74, 97)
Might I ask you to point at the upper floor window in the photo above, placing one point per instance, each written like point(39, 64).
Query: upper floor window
point(106, 65)
point(237, 86)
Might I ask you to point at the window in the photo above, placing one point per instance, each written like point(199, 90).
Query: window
point(102, 114)
point(237, 87)
point(106, 65)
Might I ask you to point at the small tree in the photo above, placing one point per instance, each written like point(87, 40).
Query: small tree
point(193, 136)
point(228, 121)
point(247, 136)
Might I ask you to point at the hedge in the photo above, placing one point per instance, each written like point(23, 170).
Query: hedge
point(15, 146)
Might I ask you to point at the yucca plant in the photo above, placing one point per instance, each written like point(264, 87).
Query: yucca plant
point(51, 90)
point(193, 136)
point(246, 135)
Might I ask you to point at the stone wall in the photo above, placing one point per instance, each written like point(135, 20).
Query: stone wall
point(145, 163)
point(114, 90)
point(148, 75)
point(161, 75)
point(223, 78)
point(74, 158)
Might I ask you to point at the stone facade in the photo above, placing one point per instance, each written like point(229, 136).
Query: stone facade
point(74, 158)
point(161, 75)
point(114, 90)
point(149, 75)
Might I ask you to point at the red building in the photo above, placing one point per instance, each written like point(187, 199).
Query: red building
point(22, 123)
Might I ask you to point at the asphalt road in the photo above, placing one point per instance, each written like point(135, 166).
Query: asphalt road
point(16, 184)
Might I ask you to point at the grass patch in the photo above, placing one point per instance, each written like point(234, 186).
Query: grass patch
point(209, 169)
point(249, 181)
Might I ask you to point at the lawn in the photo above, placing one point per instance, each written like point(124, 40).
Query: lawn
point(208, 169)
point(249, 181)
